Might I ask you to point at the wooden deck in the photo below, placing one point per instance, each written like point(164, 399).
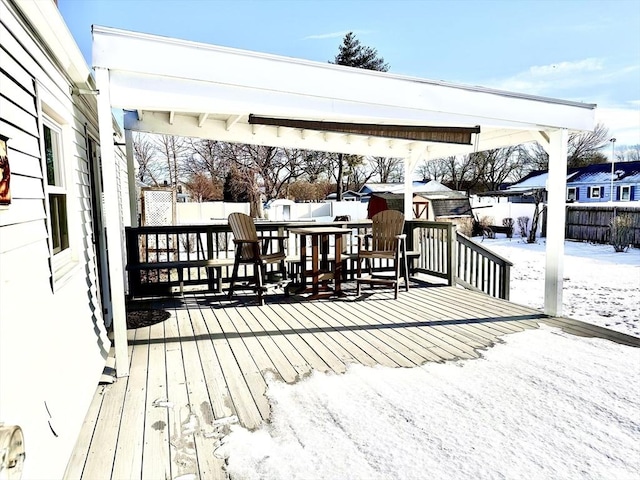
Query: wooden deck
point(211, 358)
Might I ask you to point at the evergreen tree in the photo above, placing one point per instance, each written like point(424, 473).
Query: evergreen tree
point(353, 54)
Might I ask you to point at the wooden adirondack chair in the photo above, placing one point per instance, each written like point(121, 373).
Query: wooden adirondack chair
point(385, 242)
point(252, 250)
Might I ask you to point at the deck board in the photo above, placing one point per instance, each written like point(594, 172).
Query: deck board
point(128, 461)
point(205, 323)
point(155, 462)
point(212, 359)
point(207, 398)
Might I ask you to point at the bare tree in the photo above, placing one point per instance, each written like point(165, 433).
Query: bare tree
point(433, 170)
point(317, 165)
point(584, 148)
point(359, 174)
point(628, 154)
point(208, 156)
point(202, 188)
point(494, 167)
point(172, 151)
point(304, 191)
point(387, 169)
point(144, 152)
point(538, 198)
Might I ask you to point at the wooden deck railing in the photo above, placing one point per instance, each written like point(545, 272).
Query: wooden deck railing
point(478, 268)
point(433, 240)
point(435, 248)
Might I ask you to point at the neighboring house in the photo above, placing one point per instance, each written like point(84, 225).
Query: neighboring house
point(53, 339)
point(591, 184)
point(348, 196)
point(418, 187)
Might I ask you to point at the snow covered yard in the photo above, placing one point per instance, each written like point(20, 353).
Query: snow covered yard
point(542, 405)
point(601, 286)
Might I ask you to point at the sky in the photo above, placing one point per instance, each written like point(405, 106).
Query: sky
point(541, 405)
point(587, 51)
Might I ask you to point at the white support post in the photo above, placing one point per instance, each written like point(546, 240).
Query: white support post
point(556, 219)
point(112, 222)
point(131, 171)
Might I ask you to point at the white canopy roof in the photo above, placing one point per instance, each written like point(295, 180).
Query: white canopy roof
point(185, 88)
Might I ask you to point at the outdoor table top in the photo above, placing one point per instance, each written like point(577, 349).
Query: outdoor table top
point(318, 230)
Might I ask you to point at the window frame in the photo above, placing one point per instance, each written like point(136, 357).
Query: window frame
point(575, 194)
point(624, 188)
point(592, 191)
point(61, 256)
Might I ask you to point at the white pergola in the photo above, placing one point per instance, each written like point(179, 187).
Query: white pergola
point(176, 87)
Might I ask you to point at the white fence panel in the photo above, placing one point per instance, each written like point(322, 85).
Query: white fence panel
point(205, 212)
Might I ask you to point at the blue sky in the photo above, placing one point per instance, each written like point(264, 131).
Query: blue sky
point(587, 51)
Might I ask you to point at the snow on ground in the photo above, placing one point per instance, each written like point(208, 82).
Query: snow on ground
point(542, 405)
point(601, 286)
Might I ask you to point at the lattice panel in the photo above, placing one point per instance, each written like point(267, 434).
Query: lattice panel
point(158, 207)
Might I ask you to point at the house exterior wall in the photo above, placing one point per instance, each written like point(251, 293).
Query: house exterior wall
point(53, 342)
point(584, 192)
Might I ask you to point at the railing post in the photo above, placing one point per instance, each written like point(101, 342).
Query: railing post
point(133, 258)
point(211, 282)
point(409, 228)
point(451, 253)
point(506, 281)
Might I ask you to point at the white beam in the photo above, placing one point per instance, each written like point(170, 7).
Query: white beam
point(186, 125)
point(542, 138)
point(202, 118)
point(112, 222)
point(556, 217)
point(172, 115)
point(231, 121)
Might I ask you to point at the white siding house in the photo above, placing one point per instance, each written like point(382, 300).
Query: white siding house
point(53, 341)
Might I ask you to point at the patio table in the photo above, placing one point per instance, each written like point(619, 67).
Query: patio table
point(320, 272)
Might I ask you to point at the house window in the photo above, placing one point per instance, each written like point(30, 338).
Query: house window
point(625, 193)
point(56, 189)
point(595, 192)
point(572, 194)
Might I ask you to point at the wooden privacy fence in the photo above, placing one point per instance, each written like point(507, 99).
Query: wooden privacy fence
point(593, 224)
point(160, 258)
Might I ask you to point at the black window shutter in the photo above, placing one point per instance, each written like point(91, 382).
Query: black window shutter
point(577, 193)
point(618, 192)
point(588, 192)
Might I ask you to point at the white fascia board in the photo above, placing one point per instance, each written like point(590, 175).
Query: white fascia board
point(133, 91)
point(46, 19)
point(167, 57)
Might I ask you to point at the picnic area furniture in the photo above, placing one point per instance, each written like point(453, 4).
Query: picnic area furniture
point(322, 269)
point(385, 242)
point(253, 250)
